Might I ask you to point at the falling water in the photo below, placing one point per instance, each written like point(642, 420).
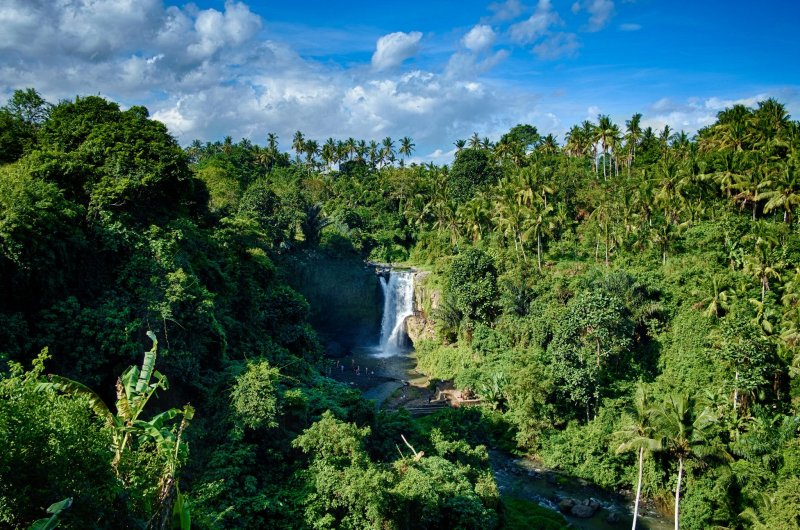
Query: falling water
point(398, 304)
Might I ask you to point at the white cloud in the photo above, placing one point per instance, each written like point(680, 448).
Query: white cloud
point(466, 65)
point(479, 39)
point(630, 27)
point(600, 12)
point(394, 48)
point(215, 29)
point(537, 25)
point(592, 112)
point(506, 11)
point(557, 46)
point(695, 113)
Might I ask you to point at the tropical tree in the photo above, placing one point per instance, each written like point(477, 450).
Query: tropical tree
point(539, 223)
point(764, 265)
point(633, 136)
point(685, 434)
point(299, 144)
point(602, 133)
point(638, 435)
point(406, 147)
point(387, 154)
point(135, 387)
point(782, 190)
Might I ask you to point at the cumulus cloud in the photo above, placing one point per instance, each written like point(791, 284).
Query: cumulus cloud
point(600, 12)
point(558, 46)
point(467, 65)
point(537, 25)
point(394, 48)
point(694, 113)
point(479, 39)
point(505, 11)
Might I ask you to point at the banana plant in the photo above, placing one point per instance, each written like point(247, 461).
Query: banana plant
point(134, 388)
point(54, 520)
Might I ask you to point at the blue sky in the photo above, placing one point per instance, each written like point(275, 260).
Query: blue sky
point(435, 70)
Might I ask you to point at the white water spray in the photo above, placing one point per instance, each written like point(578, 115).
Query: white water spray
point(398, 304)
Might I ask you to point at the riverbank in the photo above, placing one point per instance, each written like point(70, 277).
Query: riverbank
point(393, 382)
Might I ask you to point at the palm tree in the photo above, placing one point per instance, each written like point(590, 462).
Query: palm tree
point(272, 142)
point(311, 150)
point(373, 151)
point(510, 217)
point(601, 215)
point(764, 264)
point(716, 299)
point(350, 147)
point(460, 145)
point(549, 145)
point(602, 133)
point(637, 431)
point(685, 435)
point(387, 151)
point(574, 144)
point(537, 218)
point(361, 150)
point(665, 138)
point(406, 147)
point(475, 141)
point(299, 144)
point(767, 122)
point(615, 145)
point(330, 154)
point(474, 216)
point(634, 134)
point(783, 191)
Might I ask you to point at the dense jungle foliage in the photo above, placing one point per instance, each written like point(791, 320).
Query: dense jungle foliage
point(626, 305)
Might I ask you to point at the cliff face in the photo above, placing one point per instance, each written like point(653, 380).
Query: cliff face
point(420, 325)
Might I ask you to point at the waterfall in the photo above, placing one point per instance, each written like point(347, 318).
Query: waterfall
point(398, 304)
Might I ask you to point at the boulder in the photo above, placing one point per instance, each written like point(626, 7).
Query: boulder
point(566, 505)
point(584, 511)
point(613, 517)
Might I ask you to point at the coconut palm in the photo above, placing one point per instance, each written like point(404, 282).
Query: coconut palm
point(782, 191)
point(298, 143)
point(387, 152)
point(633, 136)
point(602, 133)
point(685, 434)
point(637, 431)
point(716, 299)
point(330, 153)
point(763, 265)
point(475, 141)
point(539, 223)
point(406, 147)
point(549, 145)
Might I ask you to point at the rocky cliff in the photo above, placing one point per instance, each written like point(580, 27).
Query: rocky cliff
point(427, 297)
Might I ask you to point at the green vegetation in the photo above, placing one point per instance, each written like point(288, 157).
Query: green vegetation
point(626, 306)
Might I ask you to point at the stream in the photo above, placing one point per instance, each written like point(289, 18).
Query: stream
point(386, 373)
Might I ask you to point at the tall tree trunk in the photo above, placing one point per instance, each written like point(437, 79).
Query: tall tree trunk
point(539, 250)
point(678, 492)
point(638, 488)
